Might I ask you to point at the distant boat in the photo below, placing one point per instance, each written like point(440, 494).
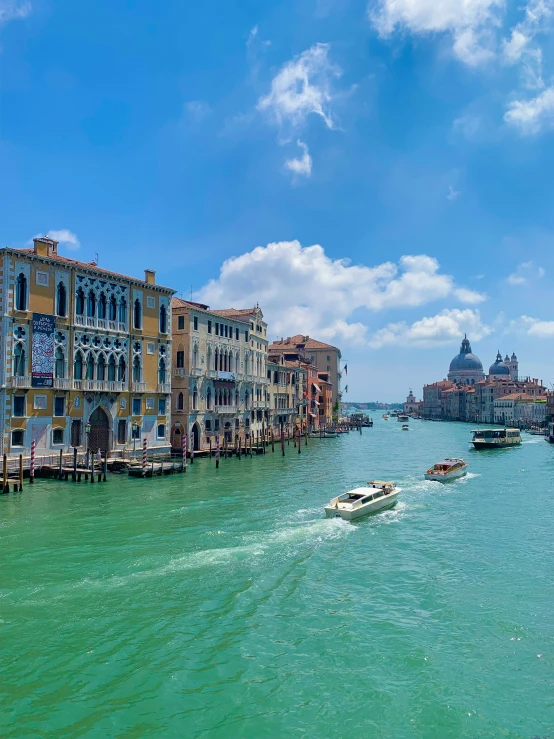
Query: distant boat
point(449, 469)
point(385, 417)
point(405, 427)
point(403, 418)
point(495, 438)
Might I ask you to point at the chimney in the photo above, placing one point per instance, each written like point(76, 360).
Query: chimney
point(150, 276)
point(45, 247)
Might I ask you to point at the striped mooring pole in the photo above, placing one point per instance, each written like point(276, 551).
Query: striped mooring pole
point(184, 451)
point(217, 451)
point(191, 447)
point(144, 456)
point(32, 468)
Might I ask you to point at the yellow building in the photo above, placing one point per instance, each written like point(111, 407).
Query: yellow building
point(85, 355)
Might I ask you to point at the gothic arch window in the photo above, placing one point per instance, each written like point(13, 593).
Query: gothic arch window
point(91, 304)
point(101, 368)
point(21, 292)
point(60, 363)
point(19, 360)
point(112, 309)
point(136, 369)
point(209, 399)
point(61, 300)
point(180, 402)
point(123, 311)
point(237, 398)
point(137, 314)
point(102, 306)
point(195, 399)
point(216, 360)
point(195, 356)
point(111, 368)
point(90, 366)
point(80, 302)
point(163, 319)
point(78, 367)
point(121, 369)
point(162, 371)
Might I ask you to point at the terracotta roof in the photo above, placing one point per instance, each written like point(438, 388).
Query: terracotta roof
point(300, 339)
point(242, 314)
point(180, 303)
point(522, 396)
point(84, 265)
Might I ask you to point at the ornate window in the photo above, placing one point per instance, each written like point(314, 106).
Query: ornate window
point(180, 402)
point(163, 319)
point(111, 368)
point(80, 302)
point(60, 363)
point(78, 367)
point(162, 371)
point(61, 300)
point(102, 306)
point(21, 292)
point(19, 360)
point(136, 369)
point(101, 368)
point(91, 304)
point(112, 309)
point(209, 399)
point(137, 314)
point(122, 369)
point(123, 310)
point(90, 367)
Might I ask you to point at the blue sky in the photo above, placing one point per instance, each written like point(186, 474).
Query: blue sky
point(377, 174)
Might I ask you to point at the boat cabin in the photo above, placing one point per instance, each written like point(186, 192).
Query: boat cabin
point(495, 434)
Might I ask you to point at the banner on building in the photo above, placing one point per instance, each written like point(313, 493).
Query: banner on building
point(42, 353)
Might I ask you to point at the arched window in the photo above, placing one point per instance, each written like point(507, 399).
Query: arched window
point(112, 309)
point(163, 319)
point(102, 306)
point(111, 368)
point(237, 398)
point(162, 371)
point(137, 314)
point(216, 359)
point(80, 302)
point(122, 370)
point(101, 368)
point(21, 292)
point(209, 399)
point(180, 402)
point(91, 304)
point(195, 399)
point(61, 300)
point(246, 400)
point(136, 369)
point(60, 363)
point(195, 356)
point(123, 310)
point(78, 367)
point(90, 367)
point(19, 360)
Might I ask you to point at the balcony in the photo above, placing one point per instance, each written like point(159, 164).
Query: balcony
point(100, 386)
point(62, 383)
point(229, 410)
point(138, 387)
point(164, 387)
point(21, 381)
point(101, 323)
point(212, 373)
point(228, 376)
point(197, 372)
point(179, 372)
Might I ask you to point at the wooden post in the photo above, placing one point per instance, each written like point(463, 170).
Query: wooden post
point(250, 440)
point(192, 447)
point(60, 466)
point(306, 434)
point(225, 445)
point(21, 473)
point(288, 435)
point(282, 438)
point(217, 452)
point(272, 440)
point(263, 438)
point(238, 445)
point(74, 476)
point(32, 467)
point(92, 468)
point(210, 447)
point(299, 440)
point(105, 466)
point(144, 456)
point(5, 483)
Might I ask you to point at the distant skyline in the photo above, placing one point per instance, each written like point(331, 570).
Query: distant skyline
point(374, 174)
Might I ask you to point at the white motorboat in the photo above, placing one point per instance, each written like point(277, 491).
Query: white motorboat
point(376, 496)
point(405, 427)
point(449, 469)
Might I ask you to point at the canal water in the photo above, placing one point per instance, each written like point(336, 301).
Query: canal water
point(221, 604)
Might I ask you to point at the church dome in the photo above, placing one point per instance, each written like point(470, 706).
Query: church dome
point(499, 368)
point(465, 360)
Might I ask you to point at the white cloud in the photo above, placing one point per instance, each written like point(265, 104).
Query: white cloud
point(63, 236)
point(302, 87)
point(452, 194)
point(470, 297)
point(10, 11)
point(301, 166)
point(519, 47)
point(197, 110)
point(302, 290)
point(446, 327)
point(525, 272)
point(469, 22)
point(531, 116)
point(532, 327)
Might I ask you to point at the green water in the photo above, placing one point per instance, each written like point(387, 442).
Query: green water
point(222, 604)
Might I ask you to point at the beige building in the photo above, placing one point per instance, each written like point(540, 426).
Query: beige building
point(220, 376)
point(85, 355)
point(286, 393)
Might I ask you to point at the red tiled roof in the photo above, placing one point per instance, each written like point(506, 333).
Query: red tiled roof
point(180, 303)
point(85, 265)
point(300, 339)
point(239, 314)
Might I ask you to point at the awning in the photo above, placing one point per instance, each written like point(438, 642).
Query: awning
point(317, 388)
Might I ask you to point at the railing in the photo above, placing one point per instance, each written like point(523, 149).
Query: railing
point(197, 371)
point(179, 372)
point(21, 381)
point(138, 387)
point(106, 386)
point(101, 323)
point(164, 387)
point(226, 409)
point(212, 373)
point(223, 375)
point(62, 383)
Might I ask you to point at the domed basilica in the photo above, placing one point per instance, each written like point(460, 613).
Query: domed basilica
point(466, 368)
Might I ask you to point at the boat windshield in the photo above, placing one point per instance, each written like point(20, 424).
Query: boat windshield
point(490, 434)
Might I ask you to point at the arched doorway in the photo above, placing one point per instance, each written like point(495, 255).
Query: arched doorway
point(196, 437)
point(99, 437)
point(177, 439)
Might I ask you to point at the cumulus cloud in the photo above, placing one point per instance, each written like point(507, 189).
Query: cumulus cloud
point(446, 327)
point(63, 236)
point(469, 22)
point(302, 290)
point(525, 272)
point(533, 115)
point(10, 11)
point(470, 297)
point(301, 166)
point(532, 327)
point(302, 87)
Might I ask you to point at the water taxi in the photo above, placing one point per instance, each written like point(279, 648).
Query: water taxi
point(377, 496)
point(449, 469)
point(403, 418)
point(405, 427)
point(385, 417)
point(495, 438)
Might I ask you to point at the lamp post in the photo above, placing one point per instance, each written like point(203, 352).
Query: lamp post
point(88, 429)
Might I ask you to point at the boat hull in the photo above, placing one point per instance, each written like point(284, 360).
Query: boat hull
point(492, 445)
point(446, 478)
point(374, 507)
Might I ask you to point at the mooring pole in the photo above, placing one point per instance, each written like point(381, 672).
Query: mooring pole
point(21, 473)
point(32, 467)
point(217, 452)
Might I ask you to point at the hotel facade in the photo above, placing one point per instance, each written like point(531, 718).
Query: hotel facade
point(85, 355)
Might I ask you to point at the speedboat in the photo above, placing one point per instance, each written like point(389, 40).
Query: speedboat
point(405, 427)
point(448, 469)
point(385, 417)
point(495, 438)
point(376, 496)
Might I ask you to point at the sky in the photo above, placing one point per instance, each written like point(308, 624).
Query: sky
point(374, 174)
